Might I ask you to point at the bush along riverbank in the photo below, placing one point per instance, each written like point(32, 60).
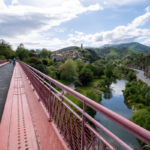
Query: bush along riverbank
point(137, 97)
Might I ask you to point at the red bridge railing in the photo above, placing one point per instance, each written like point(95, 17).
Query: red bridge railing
point(2, 61)
point(74, 128)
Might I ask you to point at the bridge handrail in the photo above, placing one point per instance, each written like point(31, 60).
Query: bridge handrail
point(2, 61)
point(136, 130)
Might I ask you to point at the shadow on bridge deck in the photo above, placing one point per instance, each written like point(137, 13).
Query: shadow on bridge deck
point(24, 123)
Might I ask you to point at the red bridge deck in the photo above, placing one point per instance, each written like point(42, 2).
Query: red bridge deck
point(24, 123)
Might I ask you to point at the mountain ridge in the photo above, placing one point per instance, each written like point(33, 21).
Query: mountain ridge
point(114, 51)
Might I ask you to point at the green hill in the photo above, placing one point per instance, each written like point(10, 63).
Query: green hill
point(122, 50)
point(67, 49)
point(136, 46)
point(76, 52)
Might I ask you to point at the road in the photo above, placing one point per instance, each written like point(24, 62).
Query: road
point(5, 77)
point(140, 75)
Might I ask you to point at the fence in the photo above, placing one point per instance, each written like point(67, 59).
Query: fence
point(79, 129)
point(2, 61)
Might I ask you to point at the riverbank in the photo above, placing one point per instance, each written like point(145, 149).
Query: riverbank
point(117, 104)
point(141, 76)
point(137, 96)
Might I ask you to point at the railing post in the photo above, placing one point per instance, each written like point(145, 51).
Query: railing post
point(83, 127)
point(50, 107)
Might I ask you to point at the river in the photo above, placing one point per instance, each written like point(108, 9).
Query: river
point(116, 103)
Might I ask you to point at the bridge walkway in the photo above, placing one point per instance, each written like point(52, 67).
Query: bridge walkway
point(6, 71)
point(24, 125)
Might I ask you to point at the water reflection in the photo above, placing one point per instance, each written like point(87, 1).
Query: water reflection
point(108, 94)
point(118, 87)
point(114, 100)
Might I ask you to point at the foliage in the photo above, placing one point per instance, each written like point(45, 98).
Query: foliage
point(6, 51)
point(90, 93)
point(122, 50)
point(109, 70)
point(68, 71)
point(37, 63)
point(52, 72)
point(2, 57)
point(44, 53)
point(137, 93)
point(141, 62)
point(22, 53)
point(79, 64)
point(131, 76)
point(85, 76)
point(142, 118)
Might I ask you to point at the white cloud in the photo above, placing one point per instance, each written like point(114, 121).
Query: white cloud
point(59, 29)
point(112, 3)
point(14, 2)
point(146, 42)
point(147, 9)
point(122, 2)
point(37, 15)
point(2, 5)
point(141, 20)
point(121, 34)
point(23, 21)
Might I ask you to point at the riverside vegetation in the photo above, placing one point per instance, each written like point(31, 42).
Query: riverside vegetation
point(92, 72)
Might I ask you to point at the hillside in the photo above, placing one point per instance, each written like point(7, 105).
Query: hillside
point(87, 55)
point(122, 50)
point(67, 49)
point(135, 46)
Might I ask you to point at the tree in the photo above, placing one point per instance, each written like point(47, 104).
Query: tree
point(44, 53)
point(6, 51)
point(142, 118)
point(21, 52)
point(131, 76)
point(108, 71)
point(79, 64)
point(86, 75)
point(68, 71)
point(36, 63)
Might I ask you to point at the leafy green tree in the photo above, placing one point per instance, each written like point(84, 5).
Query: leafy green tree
point(6, 51)
point(68, 71)
point(21, 52)
point(131, 76)
point(95, 96)
point(86, 75)
point(108, 70)
point(45, 62)
point(32, 53)
point(44, 53)
point(52, 72)
point(142, 118)
point(37, 63)
point(79, 64)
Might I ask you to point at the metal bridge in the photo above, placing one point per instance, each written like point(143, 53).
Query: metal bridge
point(38, 116)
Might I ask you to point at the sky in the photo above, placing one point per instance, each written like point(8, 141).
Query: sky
point(54, 24)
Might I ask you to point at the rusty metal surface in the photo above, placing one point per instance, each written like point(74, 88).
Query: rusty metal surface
point(74, 127)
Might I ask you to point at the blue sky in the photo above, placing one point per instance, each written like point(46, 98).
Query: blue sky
point(62, 23)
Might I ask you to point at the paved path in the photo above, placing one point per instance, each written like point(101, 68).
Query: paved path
point(140, 75)
point(24, 124)
point(5, 77)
